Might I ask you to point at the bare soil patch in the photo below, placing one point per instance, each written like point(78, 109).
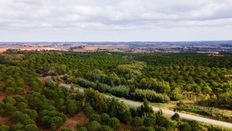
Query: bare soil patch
point(75, 122)
point(6, 121)
point(125, 127)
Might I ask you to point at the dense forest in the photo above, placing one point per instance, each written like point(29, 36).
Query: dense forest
point(32, 98)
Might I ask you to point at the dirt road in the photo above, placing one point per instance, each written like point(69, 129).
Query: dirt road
point(166, 111)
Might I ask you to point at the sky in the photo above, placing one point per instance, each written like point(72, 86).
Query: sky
point(115, 20)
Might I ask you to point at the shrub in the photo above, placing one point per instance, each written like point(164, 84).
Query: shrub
point(83, 129)
point(66, 129)
point(150, 121)
point(163, 129)
point(164, 121)
point(93, 126)
point(95, 117)
point(21, 106)
point(150, 129)
point(114, 123)
point(88, 110)
point(16, 127)
point(105, 118)
point(19, 116)
point(31, 127)
point(71, 107)
point(32, 113)
point(137, 122)
point(28, 121)
point(176, 116)
point(4, 128)
point(105, 128)
point(185, 127)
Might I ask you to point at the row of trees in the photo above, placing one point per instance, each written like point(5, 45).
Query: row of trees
point(127, 92)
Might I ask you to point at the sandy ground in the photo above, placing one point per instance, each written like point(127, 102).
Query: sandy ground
point(5, 121)
point(93, 48)
point(125, 127)
point(2, 49)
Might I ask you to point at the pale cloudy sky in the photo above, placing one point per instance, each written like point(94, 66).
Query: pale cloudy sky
point(115, 20)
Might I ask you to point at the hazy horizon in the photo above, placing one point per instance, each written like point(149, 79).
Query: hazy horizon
point(113, 41)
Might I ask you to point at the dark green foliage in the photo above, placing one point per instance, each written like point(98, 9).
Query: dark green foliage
point(4, 128)
point(164, 121)
point(21, 114)
point(88, 110)
point(20, 117)
point(17, 126)
point(71, 107)
point(145, 109)
point(105, 118)
point(93, 126)
point(149, 129)
point(62, 98)
point(52, 119)
point(32, 113)
point(114, 123)
point(119, 110)
point(31, 127)
point(196, 74)
point(66, 129)
point(14, 79)
point(45, 63)
point(39, 102)
point(154, 77)
point(176, 116)
point(123, 91)
point(27, 127)
point(150, 121)
point(7, 106)
point(137, 122)
point(185, 127)
point(161, 129)
point(48, 116)
point(105, 128)
point(190, 125)
point(178, 76)
point(83, 129)
point(111, 106)
point(21, 106)
point(95, 117)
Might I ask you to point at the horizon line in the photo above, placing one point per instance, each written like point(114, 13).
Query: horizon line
point(108, 41)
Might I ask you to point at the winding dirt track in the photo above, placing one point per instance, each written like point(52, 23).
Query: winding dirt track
point(166, 111)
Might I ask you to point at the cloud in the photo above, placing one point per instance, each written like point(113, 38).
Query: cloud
point(113, 14)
